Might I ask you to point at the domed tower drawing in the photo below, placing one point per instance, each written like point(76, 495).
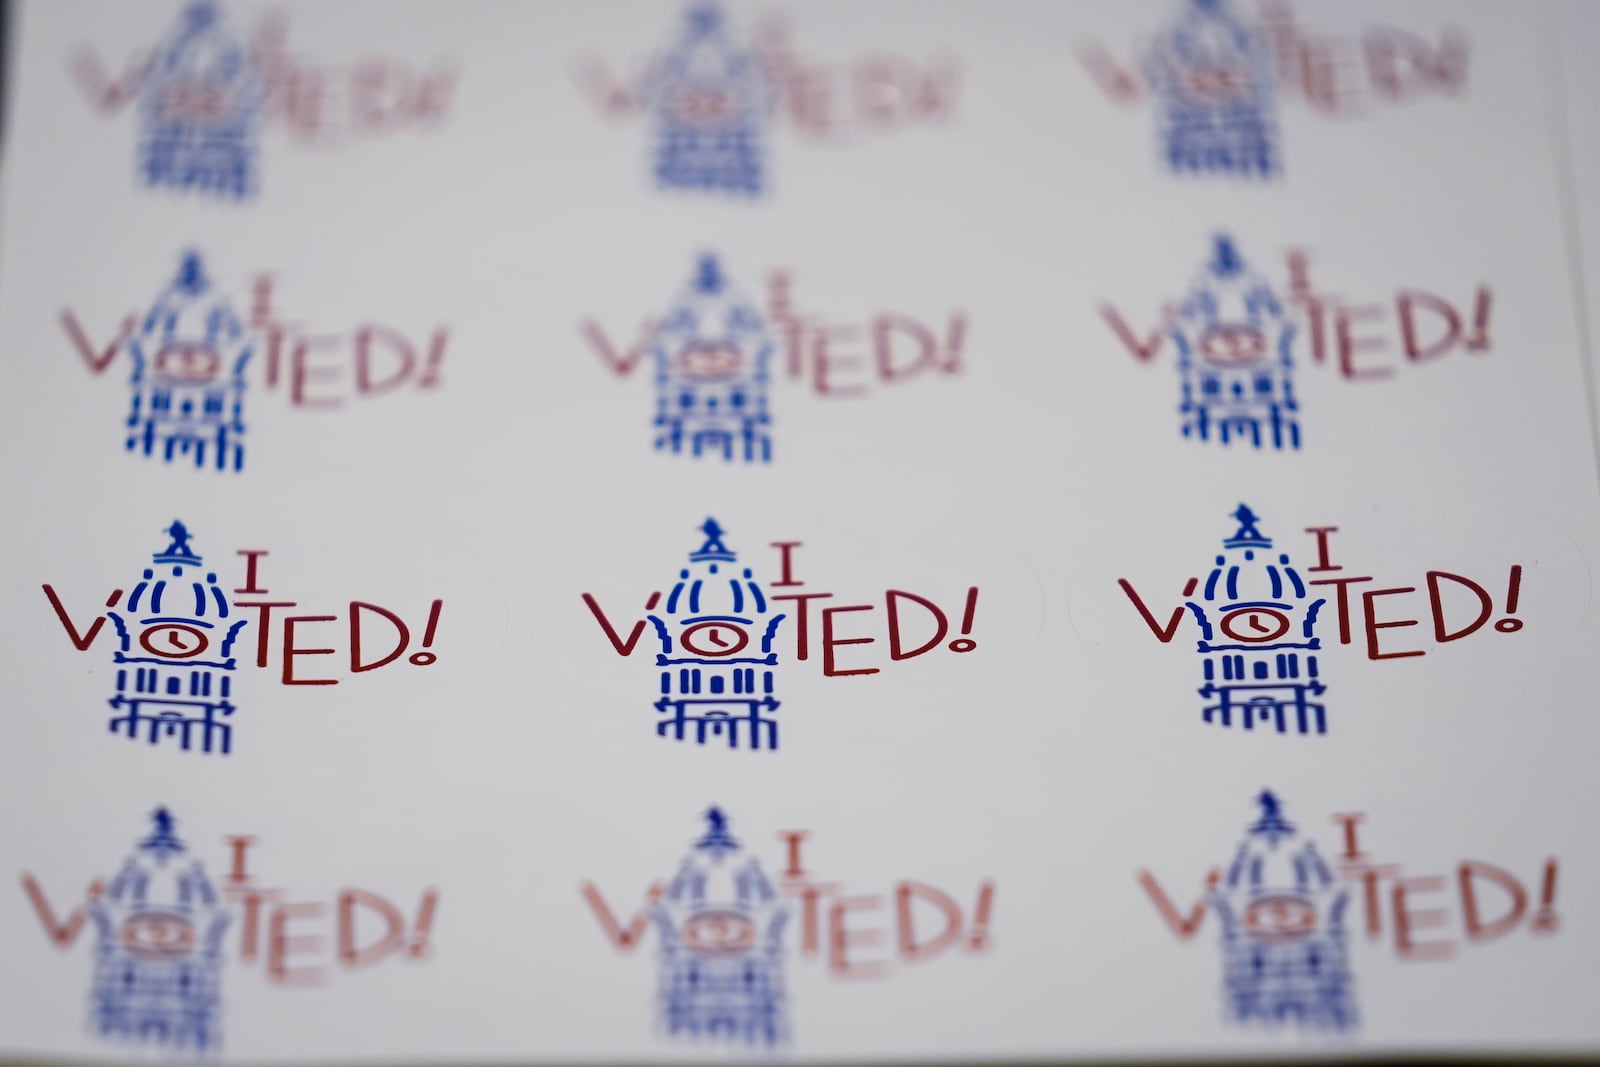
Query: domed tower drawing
point(1282, 912)
point(721, 925)
point(174, 657)
point(716, 632)
point(1233, 340)
point(188, 383)
point(158, 949)
point(1258, 638)
point(709, 99)
point(200, 106)
point(1212, 78)
point(711, 356)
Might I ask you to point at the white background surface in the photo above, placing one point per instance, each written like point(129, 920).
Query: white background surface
point(1059, 759)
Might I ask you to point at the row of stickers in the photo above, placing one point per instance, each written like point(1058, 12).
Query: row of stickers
point(1283, 913)
point(714, 356)
point(203, 94)
point(185, 644)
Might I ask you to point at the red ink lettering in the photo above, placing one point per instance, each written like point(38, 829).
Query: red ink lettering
point(1477, 929)
point(280, 944)
point(80, 641)
point(910, 947)
point(1405, 920)
point(1350, 345)
point(829, 642)
point(802, 621)
point(624, 939)
point(841, 940)
point(98, 360)
point(1183, 928)
point(290, 652)
point(1370, 612)
point(941, 624)
point(1143, 351)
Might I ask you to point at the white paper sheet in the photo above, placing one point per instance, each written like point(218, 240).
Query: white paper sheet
point(993, 794)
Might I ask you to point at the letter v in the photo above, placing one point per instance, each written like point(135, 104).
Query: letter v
point(623, 939)
point(1184, 928)
point(82, 641)
point(1163, 635)
point(621, 364)
point(1142, 352)
point(63, 934)
point(98, 361)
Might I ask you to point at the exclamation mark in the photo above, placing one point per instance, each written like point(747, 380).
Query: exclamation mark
point(1479, 341)
point(954, 342)
point(1544, 920)
point(419, 939)
point(424, 659)
point(1511, 626)
point(979, 939)
point(430, 369)
point(966, 644)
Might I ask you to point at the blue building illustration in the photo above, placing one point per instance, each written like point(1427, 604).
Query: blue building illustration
point(189, 355)
point(711, 356)
point(174, 657)
point(1233, 339)
point(158, 950)
point(1282, 912)
point(1258, 640)
point(708, 99)
point(721, 924)
point(716, 657)
point(1212, 78)
point(200, 108)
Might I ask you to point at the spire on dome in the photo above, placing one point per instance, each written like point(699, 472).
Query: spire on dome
point(704, 20)
point(713, 548)
point(708, 279)
point(178, 551)
point(164, 838)
point(1225, 259)
point(200, 15)
point(717, 838)
point(1247, 536)
point(1272, 825)
point(191, 274)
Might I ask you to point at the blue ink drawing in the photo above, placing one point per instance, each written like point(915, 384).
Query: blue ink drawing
point(1257, 637)
point(1283, 935)
point(174, 657)
point(1233, 341)
point(158, 949)
point(710, 356)
point(708, 99)
point(1212, 78)
point(716, 656)
point(200, 106)
point(721, 925)
point(189, 356)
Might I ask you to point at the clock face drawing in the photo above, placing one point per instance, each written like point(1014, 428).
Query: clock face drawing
point(714, 639)
point(187, 362)
point(1232, 346)
point(174, 640)
point(719, 933)
point(706, 104)
point(157, 934)
point(1217, 84)
point(710, 359)
point(1255, 625)
point(1280, 918)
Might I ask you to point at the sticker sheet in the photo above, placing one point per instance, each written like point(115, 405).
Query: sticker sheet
point(748, 531)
